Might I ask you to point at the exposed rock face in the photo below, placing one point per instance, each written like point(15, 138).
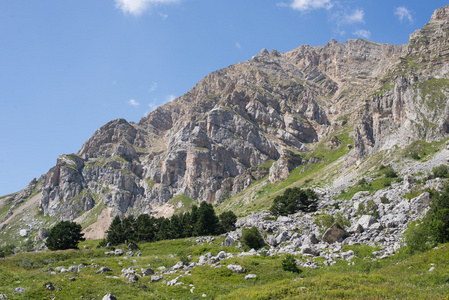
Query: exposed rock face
point(210, 143)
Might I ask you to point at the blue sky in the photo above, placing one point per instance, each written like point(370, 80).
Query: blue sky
point(68, 67)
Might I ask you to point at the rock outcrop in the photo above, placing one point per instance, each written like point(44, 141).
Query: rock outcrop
point(218, 138)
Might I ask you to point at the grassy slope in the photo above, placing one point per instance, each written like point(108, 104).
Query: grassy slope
point(396, 277)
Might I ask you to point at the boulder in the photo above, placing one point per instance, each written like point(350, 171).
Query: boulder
point(103, 269)
point(147, 271)
point(109, 296)
point(366, 221)
point(19, 290)
point(156, 278)
point(250, 276)
point(334, 234)
point(236, 269)
point(132, 278)
point(23, 232)
point(118, 252)
point(229, 241)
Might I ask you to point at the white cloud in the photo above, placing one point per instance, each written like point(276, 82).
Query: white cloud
point(133, 102)
point(356, 17)
point(362, 33)
point(305, 5)
point(403, 14)
point(237, 45)
point(137, 7)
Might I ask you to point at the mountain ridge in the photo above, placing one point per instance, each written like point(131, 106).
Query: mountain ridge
point(208, 144)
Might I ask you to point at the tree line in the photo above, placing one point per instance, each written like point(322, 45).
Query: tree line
point(199, 221)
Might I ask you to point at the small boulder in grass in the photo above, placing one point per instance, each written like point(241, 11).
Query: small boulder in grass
point(109, 296)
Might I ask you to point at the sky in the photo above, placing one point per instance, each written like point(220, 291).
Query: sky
point(69, 67)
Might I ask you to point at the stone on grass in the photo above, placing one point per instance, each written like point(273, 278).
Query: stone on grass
point(3, 297)
point(19, 290)
point(147, 271)
point(236, 268)
point(109, 296)
point(103, 269)
point(156, 278)
point(250, 276)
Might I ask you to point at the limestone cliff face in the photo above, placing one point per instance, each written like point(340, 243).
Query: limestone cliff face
point(208, 143)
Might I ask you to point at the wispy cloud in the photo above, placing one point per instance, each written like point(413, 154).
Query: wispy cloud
point(169, 98)
point(156, 103)
point(163, 16)
point(237, 45)
point(358, 16)
point(133, 102)
point(306, 5)
point(403, 13)
point(153, 87)
point(137, 7)
point(362, 33)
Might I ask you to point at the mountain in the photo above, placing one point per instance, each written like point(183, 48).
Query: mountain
point(256, 120)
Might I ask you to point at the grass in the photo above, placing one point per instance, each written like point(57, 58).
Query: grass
point(397, 277)
point(422, 150)
point(182, 203)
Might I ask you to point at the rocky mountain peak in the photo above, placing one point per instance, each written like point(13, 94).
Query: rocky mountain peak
point(441, 14)
point(262, 117)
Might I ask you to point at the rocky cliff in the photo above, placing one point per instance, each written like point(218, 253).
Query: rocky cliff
point(258, 118)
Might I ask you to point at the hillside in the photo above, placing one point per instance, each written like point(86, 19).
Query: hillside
point(322, 117)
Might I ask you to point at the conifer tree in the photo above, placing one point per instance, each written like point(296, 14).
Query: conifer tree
point(115, 233)
point(64, 235)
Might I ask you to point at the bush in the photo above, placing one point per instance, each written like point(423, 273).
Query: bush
point(416, 238)
point(64, 235)
point(252, 238)
point(294, 200)
point(440, 171)
point(289, 264)
point(369, 209)
point(434, 228)
point(384, 200)
point(415, 155)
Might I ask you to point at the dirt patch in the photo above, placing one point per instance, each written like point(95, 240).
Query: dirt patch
point(166, 210)
point(97, 230)
point(21, 208)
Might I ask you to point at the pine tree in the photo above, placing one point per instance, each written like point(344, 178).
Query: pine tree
point(208, 222)
point(115, 233)
point(227, 221)
point(64, 235)
point(145, 228)
point(129, 229)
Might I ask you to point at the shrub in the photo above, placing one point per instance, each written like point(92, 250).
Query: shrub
point(294, 200)
point(384, 200)
point(369, 209)
point(64, 235)
point(416, 238)
point(390, 173)
point(289, 264)
point(252, 238)
point(434, 228)
point(362, 182)
point(415, 155)
point(441, 171)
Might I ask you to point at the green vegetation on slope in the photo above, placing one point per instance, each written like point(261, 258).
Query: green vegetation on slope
point(397, 277)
